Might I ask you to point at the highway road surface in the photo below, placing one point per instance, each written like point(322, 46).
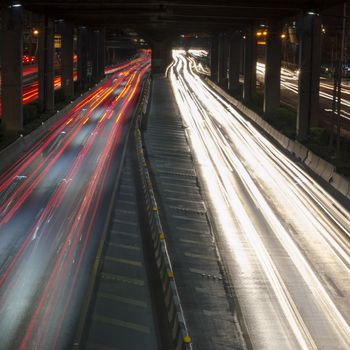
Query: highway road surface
point(53, 203)
point(284, 240)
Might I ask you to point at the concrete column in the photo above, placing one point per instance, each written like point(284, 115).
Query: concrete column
point(234, 60)
point(214, 58)
point(82, 57)
point(114, 56)
point(67, 60)
point(94, 55)
point(273, 57)
point(223, 59)
point(46, 72)
point(250, 58)
point(161, 56)
point(309, 76)
point(12, 70)
point(102, 54)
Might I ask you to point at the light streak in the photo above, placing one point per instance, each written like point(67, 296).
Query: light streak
point(66, 171)
point(260, 198)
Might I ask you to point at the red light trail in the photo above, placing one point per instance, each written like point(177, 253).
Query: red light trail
point(51, 213)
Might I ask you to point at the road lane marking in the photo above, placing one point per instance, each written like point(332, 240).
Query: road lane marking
point(125, 246)
point(119, 278)
point(121, 323)
point(122, 299)
point(123, 261)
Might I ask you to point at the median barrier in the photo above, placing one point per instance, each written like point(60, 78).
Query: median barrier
point(300, 151)
point(341, 184)
point(312, 161)
point(179, 332)
point(284, 141)
point(325, 169)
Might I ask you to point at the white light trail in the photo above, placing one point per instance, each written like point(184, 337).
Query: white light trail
point(288, 238)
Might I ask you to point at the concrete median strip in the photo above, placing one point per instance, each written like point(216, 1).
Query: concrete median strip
point(180, 336)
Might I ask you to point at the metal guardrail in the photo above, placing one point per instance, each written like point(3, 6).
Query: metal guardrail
point(180, 336)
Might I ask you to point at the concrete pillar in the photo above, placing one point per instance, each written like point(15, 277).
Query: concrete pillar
point(234, 61)
point(67, 59)
point(12, 70)
point(273, 57)
point(214, 58)
point(221, 59)
point(46, 72)
point(224, 45)
point(161, 56)
point(114, 56)
point(250, 58)
point(102, 54)
point(82, 57)
point(94, 55)
point(309, 76)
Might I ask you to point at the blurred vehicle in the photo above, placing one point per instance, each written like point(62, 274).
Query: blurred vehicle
point(26, 59)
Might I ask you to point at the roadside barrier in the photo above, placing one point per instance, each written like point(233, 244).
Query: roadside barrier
point(176, 319)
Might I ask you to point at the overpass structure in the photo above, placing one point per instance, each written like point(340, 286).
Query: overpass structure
point(55, 196)
point(231, 23)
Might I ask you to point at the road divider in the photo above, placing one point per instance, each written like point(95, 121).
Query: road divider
point(179, 332)
point(313, 162)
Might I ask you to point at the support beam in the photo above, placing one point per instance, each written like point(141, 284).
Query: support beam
point(235, 61)
point(46, 72)
point(273, 57)
point(67, 59)
point(82, 57)
point(12, 70)
point(250, 58)
point(309, 76)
